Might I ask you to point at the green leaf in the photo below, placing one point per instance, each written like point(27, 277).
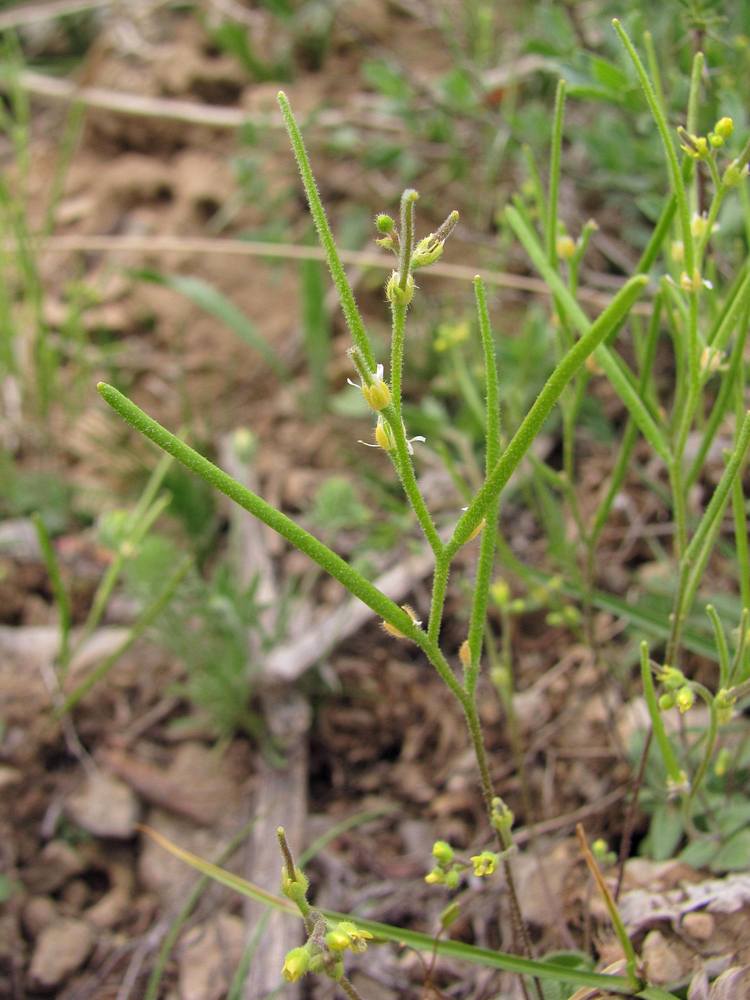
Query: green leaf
point(665, 831)
point(734, 855)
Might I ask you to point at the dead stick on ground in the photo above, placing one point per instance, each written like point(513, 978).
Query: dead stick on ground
point(281, 791)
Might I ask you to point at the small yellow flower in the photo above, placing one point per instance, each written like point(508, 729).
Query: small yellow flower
point(346, 935)
point(484, 864)
point(566, 247)
point(296, 964)
point(377, 394)
point(724, 127)
point(384, 437)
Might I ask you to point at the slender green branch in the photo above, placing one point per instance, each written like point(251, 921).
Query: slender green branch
point(671, 764)
point(398, 328)
point(328, 560)
point(697, 552)
point(346, 295)
point(570, 364)
point(678, 185)
point(554, 174)
point(613, 367)
point(408, 200)
point(489, 534)
point(59, 591)
point(692, 116)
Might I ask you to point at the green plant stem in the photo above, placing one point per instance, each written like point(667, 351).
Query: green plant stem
point(711, 737)
point(668, 755)
point(475, 732)
point(554, 174)
point(628, 442)
point(486, 560)
point(692, 117)
point(631, 960)
point(570, 364)
point(348, 987)
point(139, 528)
point(59, 591)
point(398, 330)
point(439, 587)
point(405, 468)
point(697, 552)
point(333, 564)
point(613, 367)
point(721, 646)
point(718, 411)
point(406, 242)
point(345, 293)
point(678, 185)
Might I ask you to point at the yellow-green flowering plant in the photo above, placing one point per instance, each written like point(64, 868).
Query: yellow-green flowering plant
point(585, 341)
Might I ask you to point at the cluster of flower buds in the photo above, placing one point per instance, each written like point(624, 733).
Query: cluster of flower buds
point(701, 147)
point(678, 692)
point(724, 703)
point(446, 871)
point(322, 952)
point(502, 818)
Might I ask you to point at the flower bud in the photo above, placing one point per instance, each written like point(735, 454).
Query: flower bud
point(442, 852)
point(294, 888)
point(666, 701)
point(724, 127)
point(396, 632)
point(501, 818)
point(464, 654)
point(710, 360)
point(722, 762)
point(377, 395)
point(478, 530)
point(384, 224)
point(397, 295)
point(566, 247)
point(296, 964)
point(734, 174)
point(685, 699)
point(671, 677)
point(500, 593)
point(384, 435)
point(452, 878)
point(724, 703)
